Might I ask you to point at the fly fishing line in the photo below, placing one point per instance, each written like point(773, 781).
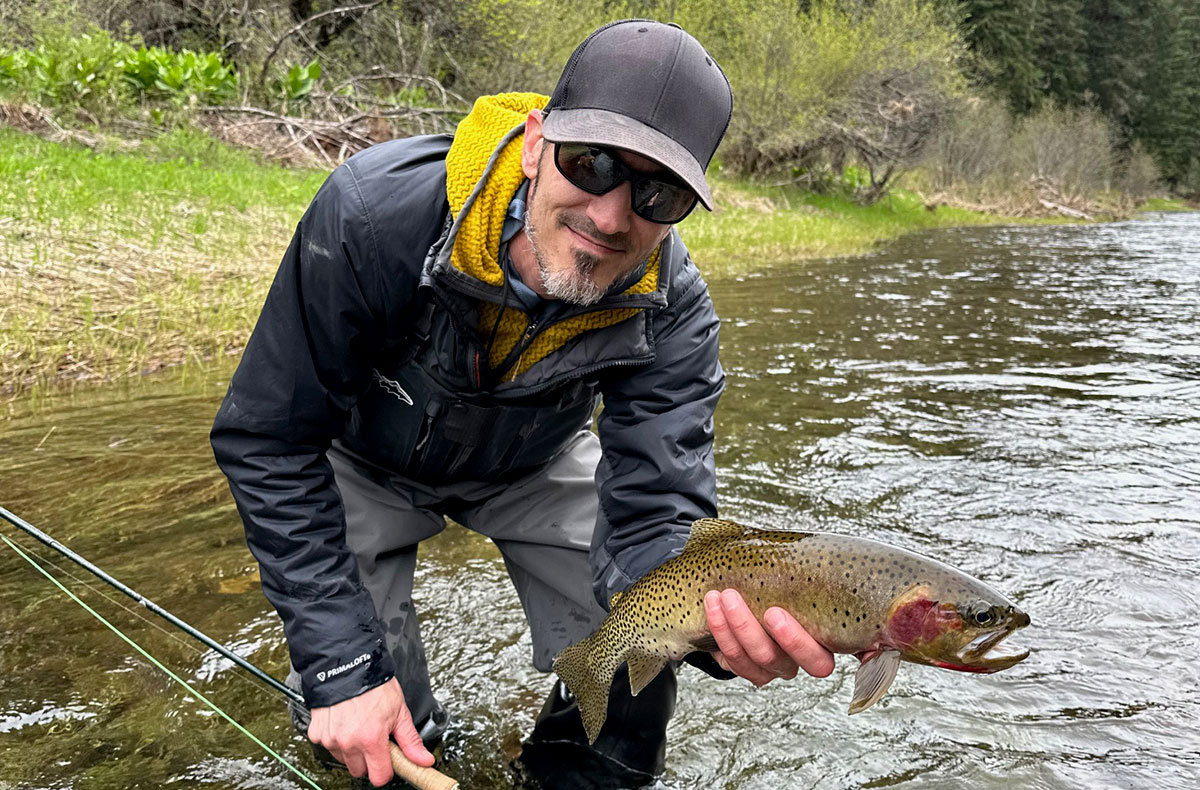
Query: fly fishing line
point(307, 780)
point(99, 592)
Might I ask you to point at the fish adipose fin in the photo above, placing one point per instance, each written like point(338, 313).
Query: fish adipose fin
point(588, 668)
point(643, 668)
point(875, 674)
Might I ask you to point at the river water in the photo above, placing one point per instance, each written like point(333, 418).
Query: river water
point(1023, 403)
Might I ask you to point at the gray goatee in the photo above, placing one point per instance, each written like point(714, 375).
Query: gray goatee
point(572, 284)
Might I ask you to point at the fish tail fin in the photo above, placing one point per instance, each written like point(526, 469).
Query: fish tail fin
point(587, 668)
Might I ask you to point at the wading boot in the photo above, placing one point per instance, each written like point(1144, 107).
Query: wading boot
point(628, 753)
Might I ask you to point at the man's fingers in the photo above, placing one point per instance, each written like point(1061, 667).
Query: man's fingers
point(730, 649)
point(378, 760)
point(410, 742)
point(352, 759)
point(808, 654)
point(760, 652)
point(760, 648)
point(734, 655)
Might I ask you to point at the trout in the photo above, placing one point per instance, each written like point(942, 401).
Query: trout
point(880, 603)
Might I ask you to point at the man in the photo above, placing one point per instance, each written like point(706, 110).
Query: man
point(434, 345)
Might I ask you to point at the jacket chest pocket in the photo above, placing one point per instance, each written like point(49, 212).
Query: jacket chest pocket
point(434, 434)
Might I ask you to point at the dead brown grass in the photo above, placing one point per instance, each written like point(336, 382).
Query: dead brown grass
point(1039, 199)
point(99, 306)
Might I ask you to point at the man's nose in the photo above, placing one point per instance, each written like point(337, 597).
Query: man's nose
point(611, 212)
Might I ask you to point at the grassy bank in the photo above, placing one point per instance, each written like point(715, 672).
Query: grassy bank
point(756, 225)
point(116, 264)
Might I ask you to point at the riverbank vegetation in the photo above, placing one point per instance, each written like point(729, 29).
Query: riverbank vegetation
point(120, 262)
point(968, 99)
point(116, 264)
point(139, 238)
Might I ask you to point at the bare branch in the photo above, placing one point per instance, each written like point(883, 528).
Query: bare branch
point(345, 136)
point(376, 73)
point(362, 8)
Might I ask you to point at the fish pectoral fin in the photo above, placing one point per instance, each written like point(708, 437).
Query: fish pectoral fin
point(875, 674)
point(707, 643)
point(643, 668)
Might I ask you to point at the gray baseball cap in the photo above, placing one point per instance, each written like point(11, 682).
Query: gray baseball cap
point(648, 88)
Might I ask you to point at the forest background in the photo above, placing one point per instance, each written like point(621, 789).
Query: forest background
point(1086, 94)
point(889, 114)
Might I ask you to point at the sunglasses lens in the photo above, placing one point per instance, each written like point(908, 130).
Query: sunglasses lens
point(596, 170)
point(591, 169)
point(662, 201)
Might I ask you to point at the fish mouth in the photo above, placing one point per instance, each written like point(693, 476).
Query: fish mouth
point(988, 653)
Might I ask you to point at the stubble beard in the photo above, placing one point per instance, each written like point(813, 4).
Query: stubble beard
point(572, 284)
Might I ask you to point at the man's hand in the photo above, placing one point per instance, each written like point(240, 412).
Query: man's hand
point(356, 732)
point(777, 648)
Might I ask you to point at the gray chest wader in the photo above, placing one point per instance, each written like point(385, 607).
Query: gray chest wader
point(426, 418)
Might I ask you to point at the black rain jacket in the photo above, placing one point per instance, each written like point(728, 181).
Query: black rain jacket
point(369, 337)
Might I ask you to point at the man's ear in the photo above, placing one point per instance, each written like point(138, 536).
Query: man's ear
point(531, 149)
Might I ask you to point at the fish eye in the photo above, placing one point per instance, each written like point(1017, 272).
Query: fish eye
point(983, 615)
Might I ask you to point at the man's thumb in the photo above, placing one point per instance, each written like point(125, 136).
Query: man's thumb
point(410, 743)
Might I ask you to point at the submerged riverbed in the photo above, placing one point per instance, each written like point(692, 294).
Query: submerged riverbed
point(1023, 403)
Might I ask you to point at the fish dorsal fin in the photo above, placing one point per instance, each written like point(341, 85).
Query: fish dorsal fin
point(612, 601)
point(714, 530)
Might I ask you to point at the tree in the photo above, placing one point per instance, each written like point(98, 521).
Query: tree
point(1120, 48)
point(1004, 37)
point(835, 84)
point(1061, 51)
point(1167, 121)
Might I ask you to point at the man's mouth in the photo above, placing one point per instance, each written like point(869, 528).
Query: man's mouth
point(589, 242)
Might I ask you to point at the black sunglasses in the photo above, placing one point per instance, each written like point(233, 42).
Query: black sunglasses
point(599, 170)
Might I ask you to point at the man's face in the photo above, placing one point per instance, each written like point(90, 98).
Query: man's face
point(581, 243)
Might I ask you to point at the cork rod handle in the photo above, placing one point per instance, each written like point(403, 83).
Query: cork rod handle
point(417, 776)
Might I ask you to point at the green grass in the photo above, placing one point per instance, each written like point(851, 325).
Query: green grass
point(118, 262)
point(1165, 204)
point(756, 225)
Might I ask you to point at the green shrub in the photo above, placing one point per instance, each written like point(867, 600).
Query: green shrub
point(183, 78)
point(828, 83)
point(986, 153)
point(12, 64)
point(106, 77)
point(297, 83)
point(1072, 149)
point(1138, 174)
point(78, 71)
point(974, 147)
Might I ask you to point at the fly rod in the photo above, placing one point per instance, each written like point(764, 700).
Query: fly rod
point(420, 777)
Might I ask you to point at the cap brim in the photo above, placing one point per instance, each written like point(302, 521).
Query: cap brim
point(604, 127)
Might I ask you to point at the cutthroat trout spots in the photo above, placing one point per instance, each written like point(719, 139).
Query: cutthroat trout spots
point(853, 595)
